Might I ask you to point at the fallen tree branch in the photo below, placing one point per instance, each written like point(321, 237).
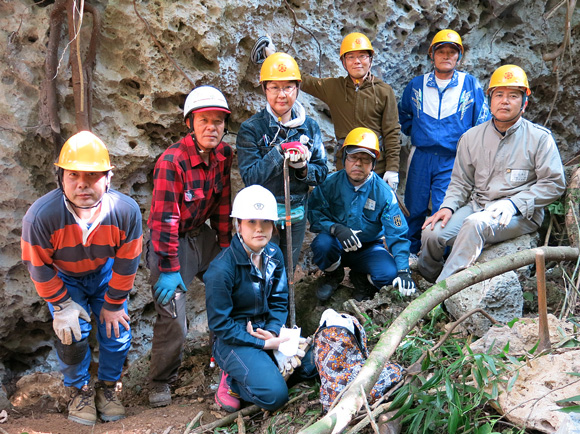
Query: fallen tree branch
point(337, 419)
point(193, 422)
point(227, 420)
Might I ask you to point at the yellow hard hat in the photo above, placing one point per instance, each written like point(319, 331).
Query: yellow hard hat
point(511, 76)
point(84, 152)
point(362, 138)
point(280, 67)
point(355, 42)
point(446, 36)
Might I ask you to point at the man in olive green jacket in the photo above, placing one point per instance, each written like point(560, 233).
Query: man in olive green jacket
point(361, 100)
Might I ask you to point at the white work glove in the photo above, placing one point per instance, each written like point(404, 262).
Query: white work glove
point(297, 154)
point(287, 364)
point(404, 282)
point(347, 237)
point(391, 178)
point(504, 208)
point(66, 320)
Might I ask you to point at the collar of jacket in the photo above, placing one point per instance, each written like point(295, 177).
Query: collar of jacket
point(511, 130)
point(431, 82)
point(368, 82)
point(241, 256)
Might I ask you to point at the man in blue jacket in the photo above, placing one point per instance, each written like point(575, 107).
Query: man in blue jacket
point(435, 110)
point(351, 212)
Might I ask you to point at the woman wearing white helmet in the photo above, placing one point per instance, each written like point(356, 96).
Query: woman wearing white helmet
point(247, 305)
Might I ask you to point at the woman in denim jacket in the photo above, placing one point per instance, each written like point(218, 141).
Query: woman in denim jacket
point(281, 130)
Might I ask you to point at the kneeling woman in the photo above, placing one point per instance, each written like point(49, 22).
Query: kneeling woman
point(247, 304)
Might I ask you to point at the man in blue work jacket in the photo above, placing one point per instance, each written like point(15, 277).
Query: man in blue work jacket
point(435, 110)
point(351, 212)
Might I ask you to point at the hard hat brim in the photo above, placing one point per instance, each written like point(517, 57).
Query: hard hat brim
point(357, 150)
point(208, 109)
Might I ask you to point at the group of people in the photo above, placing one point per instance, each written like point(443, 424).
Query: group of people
point(484, 171)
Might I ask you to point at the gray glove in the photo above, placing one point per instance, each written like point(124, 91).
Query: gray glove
point(66, 320)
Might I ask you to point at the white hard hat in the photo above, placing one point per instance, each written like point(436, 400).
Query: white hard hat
point(204, 98)
point(255, 202)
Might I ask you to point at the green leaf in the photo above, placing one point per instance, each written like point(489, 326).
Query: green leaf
point(483, 429)
point(404, 407)
point(399, 398)
point(414, 427)
point(571, 399)
point(490, 363)
point(513, 381)
point(426, 362)
point(528, 296)
point(512, 322)
point(453, 421)
point(572, 409)
point(449, 389)
point(435, 379)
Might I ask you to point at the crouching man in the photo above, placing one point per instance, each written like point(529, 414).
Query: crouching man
point(351, 212)
point(82, 244)
point(506, 171)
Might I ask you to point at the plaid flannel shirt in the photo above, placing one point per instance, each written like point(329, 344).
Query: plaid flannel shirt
point(187, 192)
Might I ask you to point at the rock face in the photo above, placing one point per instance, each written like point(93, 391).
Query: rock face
point(500, 296)
point(138, 96)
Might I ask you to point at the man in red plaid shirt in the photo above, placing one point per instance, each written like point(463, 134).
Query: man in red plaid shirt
point(191, 185)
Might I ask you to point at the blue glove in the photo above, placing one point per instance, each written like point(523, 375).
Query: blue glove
point(166, 286)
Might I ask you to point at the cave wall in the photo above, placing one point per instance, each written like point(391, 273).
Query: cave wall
point(138, 96)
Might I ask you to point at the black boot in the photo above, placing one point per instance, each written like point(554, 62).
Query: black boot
point(363, 289)
point(328, 283)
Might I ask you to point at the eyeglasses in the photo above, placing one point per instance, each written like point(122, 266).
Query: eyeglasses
point(275, 90)
point(360, 57)
point(364, 159)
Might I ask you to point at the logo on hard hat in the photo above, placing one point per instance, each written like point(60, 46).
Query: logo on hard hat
point(358, 41)
point(450, 35)
point(282, 68)
point(259, 206)
point(508, 75)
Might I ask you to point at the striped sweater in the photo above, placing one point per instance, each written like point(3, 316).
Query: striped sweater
point(54, 239)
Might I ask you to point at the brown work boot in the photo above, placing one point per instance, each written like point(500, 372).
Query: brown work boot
point(108, 403)
point(81, 408)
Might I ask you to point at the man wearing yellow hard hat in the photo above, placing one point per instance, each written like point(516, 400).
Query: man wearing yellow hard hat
point(506, 171)
point(435, 110)
point(351, 212)
point(360, 99)
point(81, 243)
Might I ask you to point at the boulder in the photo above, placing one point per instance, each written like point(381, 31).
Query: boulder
point(500, 296)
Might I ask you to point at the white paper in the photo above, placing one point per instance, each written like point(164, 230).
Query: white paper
point(290, 347)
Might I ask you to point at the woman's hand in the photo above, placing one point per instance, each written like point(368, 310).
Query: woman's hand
point(272, 342)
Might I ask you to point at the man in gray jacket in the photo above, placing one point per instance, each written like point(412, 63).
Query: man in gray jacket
point(506, 171)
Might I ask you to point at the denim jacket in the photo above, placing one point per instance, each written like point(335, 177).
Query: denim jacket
point(260, 161)
point(237, 292)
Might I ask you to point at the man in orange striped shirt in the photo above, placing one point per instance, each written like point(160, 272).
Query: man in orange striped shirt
point(82, 244)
